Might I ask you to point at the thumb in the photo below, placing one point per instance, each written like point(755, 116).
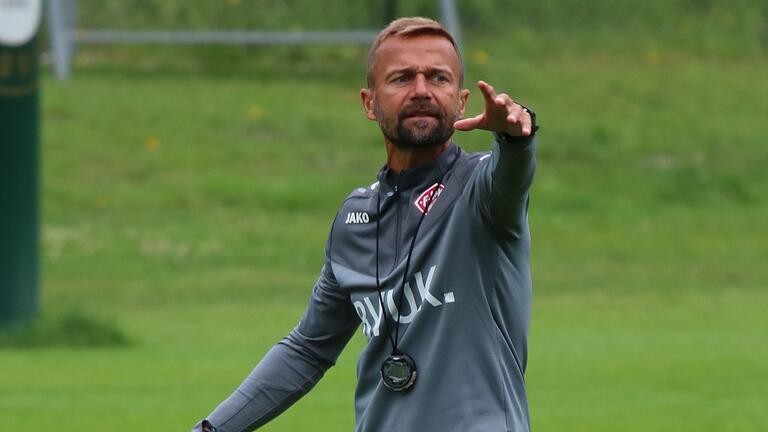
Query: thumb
point(469, 124)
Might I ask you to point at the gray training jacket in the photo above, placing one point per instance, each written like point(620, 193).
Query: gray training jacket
point(466, 306)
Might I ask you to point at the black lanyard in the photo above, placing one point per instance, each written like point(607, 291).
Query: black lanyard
point(427, 206)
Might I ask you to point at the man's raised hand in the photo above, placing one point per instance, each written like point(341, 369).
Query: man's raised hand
point(501, 114)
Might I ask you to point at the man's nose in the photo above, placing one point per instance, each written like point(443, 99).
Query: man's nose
point(421, 87)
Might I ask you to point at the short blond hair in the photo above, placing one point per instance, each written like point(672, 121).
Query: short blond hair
point(411, 27)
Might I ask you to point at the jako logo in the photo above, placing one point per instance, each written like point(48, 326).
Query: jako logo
point(357, 218)
point(428, 197)
point(371, 314)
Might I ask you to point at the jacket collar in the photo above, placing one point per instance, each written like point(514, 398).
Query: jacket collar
point(429, 172)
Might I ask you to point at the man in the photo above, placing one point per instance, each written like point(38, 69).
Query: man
point(432, 259)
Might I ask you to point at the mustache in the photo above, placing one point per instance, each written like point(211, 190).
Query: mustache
point(420, 108)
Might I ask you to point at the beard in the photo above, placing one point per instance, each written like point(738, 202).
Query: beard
point(433, 129)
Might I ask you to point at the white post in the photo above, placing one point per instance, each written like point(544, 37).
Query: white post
point(450, 17)
point(60, 20)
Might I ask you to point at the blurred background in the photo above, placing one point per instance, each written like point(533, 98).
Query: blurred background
point(187, 191)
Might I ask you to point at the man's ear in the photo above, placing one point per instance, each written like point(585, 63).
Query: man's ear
point(366, 95)
point(463, 97)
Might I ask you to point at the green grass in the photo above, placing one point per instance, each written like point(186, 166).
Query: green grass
point(190, 210)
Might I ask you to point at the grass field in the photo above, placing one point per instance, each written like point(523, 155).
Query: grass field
point(189, 210)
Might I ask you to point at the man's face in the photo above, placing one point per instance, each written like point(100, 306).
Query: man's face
point(416, 95)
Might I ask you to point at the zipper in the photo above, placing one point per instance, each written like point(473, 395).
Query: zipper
point(396, 196)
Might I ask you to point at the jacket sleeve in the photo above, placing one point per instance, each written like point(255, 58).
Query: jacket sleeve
point(295, 364)
point(501, 184)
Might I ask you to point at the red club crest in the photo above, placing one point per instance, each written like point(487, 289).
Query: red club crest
point(428, 197)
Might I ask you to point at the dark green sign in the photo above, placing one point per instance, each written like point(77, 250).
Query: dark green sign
point(19, 135)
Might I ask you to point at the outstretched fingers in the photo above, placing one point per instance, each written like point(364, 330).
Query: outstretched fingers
point(501, 114)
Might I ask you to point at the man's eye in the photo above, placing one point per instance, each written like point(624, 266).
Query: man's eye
point(401, 79)
point(440, 78)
